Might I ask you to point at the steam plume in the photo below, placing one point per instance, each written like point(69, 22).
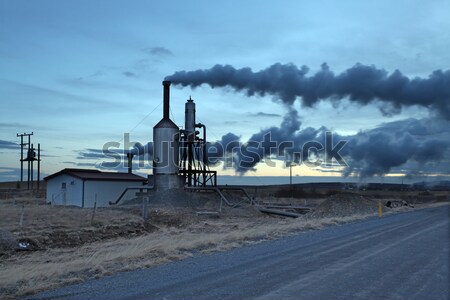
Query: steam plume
point(399, 145)
point(361, 84)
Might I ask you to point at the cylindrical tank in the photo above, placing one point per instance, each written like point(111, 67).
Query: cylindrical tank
point(165, 147)
point(189, 119)
point(165, 141)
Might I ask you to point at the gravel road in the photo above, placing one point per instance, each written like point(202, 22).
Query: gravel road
point(401, 256)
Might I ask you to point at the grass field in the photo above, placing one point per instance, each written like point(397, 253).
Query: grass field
point(71, 244)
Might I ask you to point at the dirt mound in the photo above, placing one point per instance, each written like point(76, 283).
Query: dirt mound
point(176, 198)
point(343, 206)
point(177, 208)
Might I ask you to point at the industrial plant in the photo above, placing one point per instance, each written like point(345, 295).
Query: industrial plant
point(107, 222)
point(179, 156)
point(179, 163)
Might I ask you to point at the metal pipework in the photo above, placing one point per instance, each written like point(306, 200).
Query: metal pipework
point(166, 110)
point(189, 130)
point(189, 119)
point(130, 162)
point(204, 158)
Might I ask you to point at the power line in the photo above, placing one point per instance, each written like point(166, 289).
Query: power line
point(137, 125)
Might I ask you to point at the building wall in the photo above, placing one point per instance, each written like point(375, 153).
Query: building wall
point(70, 195)
point(94, 190)
point(107, 191)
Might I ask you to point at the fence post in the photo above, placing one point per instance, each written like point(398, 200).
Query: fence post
point(145, 208)
point(95, 209)
point(380, 210)
point(21, 215)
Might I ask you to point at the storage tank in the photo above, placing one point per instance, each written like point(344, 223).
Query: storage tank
point(165, 148)
point(189, 118)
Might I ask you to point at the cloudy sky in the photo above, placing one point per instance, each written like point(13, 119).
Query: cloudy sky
point(80, 74)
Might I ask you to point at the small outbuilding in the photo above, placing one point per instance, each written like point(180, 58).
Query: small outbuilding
point(84, 188)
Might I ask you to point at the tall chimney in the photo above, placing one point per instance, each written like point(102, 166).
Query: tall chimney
point(166, 85)
point(130, 162)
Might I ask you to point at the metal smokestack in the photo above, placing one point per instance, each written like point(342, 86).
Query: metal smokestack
point(130, 162)
point(189, 123)
point(166, 137)
point(166, 111)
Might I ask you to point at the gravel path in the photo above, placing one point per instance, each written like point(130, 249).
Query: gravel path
point(401, 256)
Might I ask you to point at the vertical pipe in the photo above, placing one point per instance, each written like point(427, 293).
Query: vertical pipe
point(28, 170)
point(82, 194)
point(130, 162)
point(189, 128)
point(290, 178)
point(21, 158)
point(39, 166)
point(32, 163)
point(166, 109)
point(203, 152)
point(28, 161)
point(190, 154)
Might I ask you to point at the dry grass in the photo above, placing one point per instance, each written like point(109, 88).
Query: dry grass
point(37, 271)
point(180, 235)
point(38, 216)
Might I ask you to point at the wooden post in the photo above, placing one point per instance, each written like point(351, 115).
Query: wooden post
point(95, 208)
point(21, 215)
point(145, 208)
point(380, 210)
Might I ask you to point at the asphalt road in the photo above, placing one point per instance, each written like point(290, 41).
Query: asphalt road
point(402, 256)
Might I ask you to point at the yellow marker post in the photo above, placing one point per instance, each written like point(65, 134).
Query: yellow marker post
point(380, 210)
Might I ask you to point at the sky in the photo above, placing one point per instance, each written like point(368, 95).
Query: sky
point(82, 74)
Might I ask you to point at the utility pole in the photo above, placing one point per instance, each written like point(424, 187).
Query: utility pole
point(31, 158)
point(21, 151)
point(291, 164)
point(39, 166)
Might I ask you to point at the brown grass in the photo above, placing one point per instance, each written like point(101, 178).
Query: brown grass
point(179, 235)
point(37, 271)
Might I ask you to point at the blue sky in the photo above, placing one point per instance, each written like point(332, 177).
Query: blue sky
point(80, 74)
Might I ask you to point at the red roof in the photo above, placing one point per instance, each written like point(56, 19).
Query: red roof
point(86, 174)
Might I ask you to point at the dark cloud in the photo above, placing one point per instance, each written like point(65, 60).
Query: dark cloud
point(8, 145)
point(63, 99)
point(25, 127)
point(98, 153)
point(13, 125)
point(273, 142)
point(410, 144)
point(396, 144)
point(94, 75)
point(48, 155)
point(83, 164)
point(231, 122)
point(158, 51)
point(361, 84)
point(263, 114)
point(118, 166)
point(116, 158)
point(9, 174)
point(129, 74)
point(141, 150)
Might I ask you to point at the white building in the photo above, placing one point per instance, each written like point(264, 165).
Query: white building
point(83, 188)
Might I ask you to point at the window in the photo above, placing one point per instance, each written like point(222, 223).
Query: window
point(63, 185)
